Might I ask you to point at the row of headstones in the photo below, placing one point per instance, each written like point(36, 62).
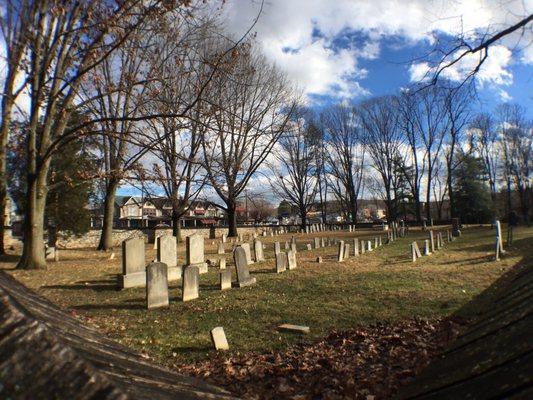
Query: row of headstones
point(359, 247)
point(432, 243)
point(157, 292)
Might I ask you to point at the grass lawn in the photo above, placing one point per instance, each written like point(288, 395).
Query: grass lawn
point(382, 285)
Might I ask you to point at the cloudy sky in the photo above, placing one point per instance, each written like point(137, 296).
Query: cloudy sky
point(350, 49)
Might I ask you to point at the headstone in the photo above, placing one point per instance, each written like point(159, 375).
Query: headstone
point(224, 238)
point(258, 250)
point(427, 250)
point(369, 245)
point(431, 241)
point(222, 263)
point(376, 242)
point(355, 247)
point(319, 259)
point(308, 246)
point(225, 278)
point(448, 236)
point(190, 283)
point(340, 251)
point(380, 241)
point(346, 253)
point(415, 252)
point(112, 256)
point(241, 265)
point(50, 253)
point(294, 328)
point(277, 248)
point(133, 264)
point(167, 250)
point(218, 337)
point(291, 259)
point(287, 246)
point(281, 262)
point(317, 243)
point(499, 241)
point(220, 249)
point(194, 249)
point(363, 247)
point(323, 242)
point(247, 252)
point(156, 285)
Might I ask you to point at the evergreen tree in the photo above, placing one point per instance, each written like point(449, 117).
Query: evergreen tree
point(70, 184)
point(472, 194)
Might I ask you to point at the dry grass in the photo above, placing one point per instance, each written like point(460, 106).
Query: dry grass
point(383, 285)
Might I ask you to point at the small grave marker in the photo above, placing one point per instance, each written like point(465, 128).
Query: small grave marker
point(218, 337)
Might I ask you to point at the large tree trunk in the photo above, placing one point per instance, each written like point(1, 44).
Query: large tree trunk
point(33, 252)
point(106, 236)
point(451, 197)
point(3, 206)
point(232, 221)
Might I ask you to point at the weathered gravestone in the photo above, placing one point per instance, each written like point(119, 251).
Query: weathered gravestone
point(281, 262)
point(247, 252)
point(156, 285)
point(218, 337)
point(427, 250)
point(323, 242)
point(220, 248)
point(363, 247)
point(51, 253)
point(340, 251)
point(133, 267)
point(222, 263)
point(369, 245)
point(380, 241)
point(291, 259)
point(415, 251)
point(346, 253)
point(277, 248)
point(308, 246)
point(431, 241)
point(258, 250)
point(241, 265)
point(319, 259)
point(167, 253)
point(317, 243)
point(499, 241)
point(376, 242)
point(355, 247)
point(225, 279)
point(287, 246)
point(190, 283)
point(194, 249)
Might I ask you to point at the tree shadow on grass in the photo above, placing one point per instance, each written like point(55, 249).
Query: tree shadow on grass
point(97, 285)
point(187, 350)
point(92, 307)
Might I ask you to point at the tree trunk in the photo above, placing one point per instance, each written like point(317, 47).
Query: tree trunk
point(232, 221)
point(33, 252)
point(176, 226)
point(3, 205)
point(106, 236)
point(451, 197)
point(303, 217)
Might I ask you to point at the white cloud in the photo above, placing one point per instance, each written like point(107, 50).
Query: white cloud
point(504, 96)
point(310, 26)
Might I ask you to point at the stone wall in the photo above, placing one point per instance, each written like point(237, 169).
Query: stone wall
point(91, 238)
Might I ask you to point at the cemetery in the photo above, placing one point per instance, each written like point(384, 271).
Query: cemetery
point(282, 301)
point(266, 199)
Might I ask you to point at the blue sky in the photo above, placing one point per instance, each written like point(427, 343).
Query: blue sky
point(351, 49)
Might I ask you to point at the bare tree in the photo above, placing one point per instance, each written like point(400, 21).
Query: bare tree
point(458, 112)
point(14, 20)
point(66, 40)
point(383, 140)
point(345, 156)
point(294, 171)
point(484, 140)
point(516, 138)
point(250, 104)
point(453, 51)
